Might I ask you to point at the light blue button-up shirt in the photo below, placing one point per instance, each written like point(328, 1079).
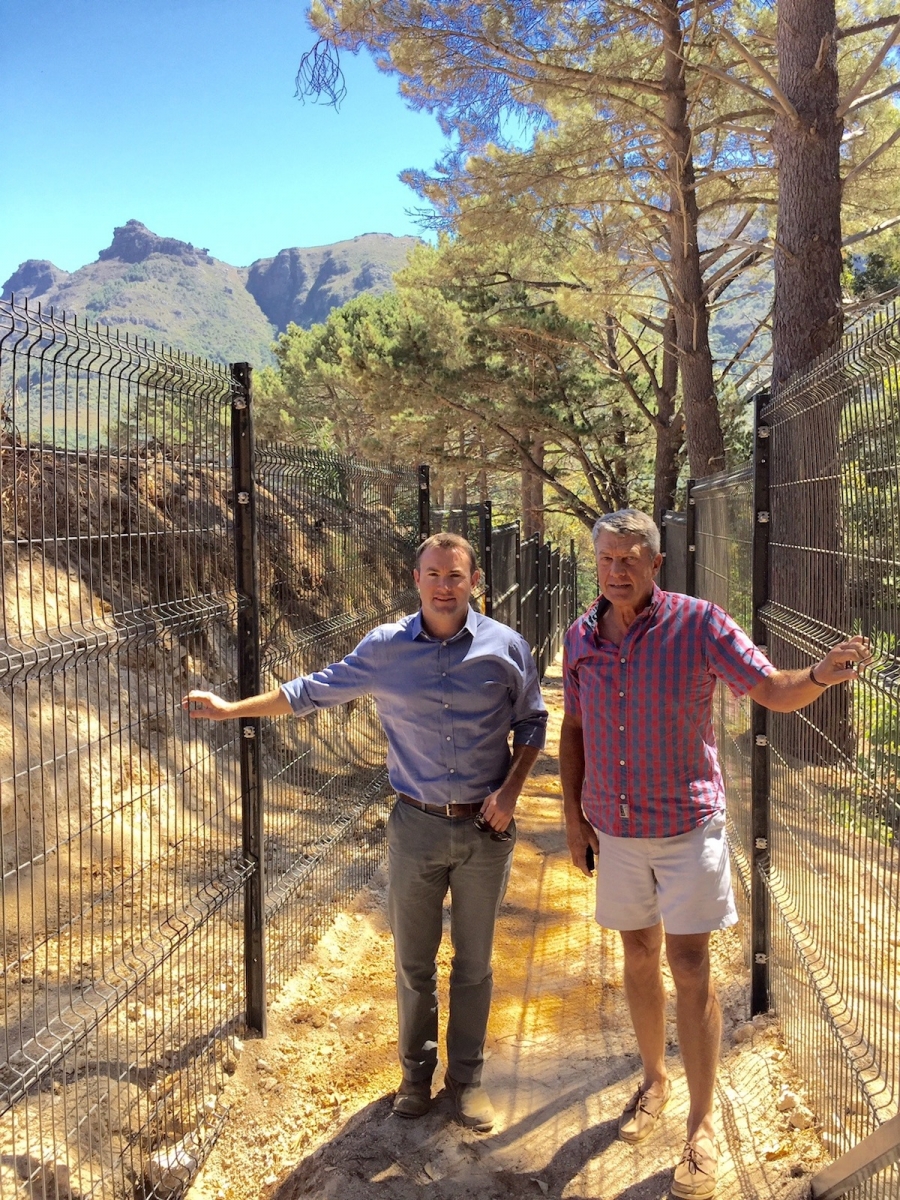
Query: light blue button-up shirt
point(447, 706)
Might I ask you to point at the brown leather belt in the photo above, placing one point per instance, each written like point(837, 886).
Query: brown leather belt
point(443, 810)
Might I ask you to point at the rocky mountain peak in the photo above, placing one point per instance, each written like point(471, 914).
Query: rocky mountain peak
point(34, 277)
point(133, 242)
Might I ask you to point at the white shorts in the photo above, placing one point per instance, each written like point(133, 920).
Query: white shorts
point(685, 881)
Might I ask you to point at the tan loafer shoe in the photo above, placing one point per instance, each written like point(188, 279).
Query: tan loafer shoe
point(696, 1175)
point(641, 1114)
point(472, 1103)
point(412, 1098)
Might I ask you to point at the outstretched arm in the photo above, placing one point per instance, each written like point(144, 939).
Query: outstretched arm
point(786, 691)
point(579, 832)
point(214, 708)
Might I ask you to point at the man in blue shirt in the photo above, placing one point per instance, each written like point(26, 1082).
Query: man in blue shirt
point(450, 685)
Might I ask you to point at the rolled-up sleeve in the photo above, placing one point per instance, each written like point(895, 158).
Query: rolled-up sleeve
point(348, 679)
point(732, 656)
point(529, 716)
point(571, 692)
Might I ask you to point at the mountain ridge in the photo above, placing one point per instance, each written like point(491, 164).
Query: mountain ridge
point(171, 291)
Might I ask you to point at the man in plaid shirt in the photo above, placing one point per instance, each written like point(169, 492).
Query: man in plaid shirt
point(644, 797)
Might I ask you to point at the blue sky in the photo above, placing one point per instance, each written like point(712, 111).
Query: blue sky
point(181, 113)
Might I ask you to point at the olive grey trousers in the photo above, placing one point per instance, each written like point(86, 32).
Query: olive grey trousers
point(428, 856)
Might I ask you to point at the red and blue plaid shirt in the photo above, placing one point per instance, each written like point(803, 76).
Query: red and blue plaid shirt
point(651, 768)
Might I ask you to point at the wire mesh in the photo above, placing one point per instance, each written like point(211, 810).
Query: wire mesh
point(337, 540)
point(835, 569)
point(673, 576)
point(120, 835)
point(124, 874)
point(506, 599)
point(723, 531)
point(531, 593)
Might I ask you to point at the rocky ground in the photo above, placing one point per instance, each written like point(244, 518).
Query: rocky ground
point(310, 1105)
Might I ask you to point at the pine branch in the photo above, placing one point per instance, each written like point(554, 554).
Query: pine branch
point(738, 115)
point(873, 232)
point(725, 276)
point(866, 27)
point(870, 158)
point(768, 78)
point(857, 90)
point(872, 96)
point(770, 103)
point(709, 257)
point(739, 354)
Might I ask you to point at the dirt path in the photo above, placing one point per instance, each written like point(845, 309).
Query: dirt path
point(310, 1106)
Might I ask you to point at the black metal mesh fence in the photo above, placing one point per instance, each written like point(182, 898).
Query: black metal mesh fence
point(506, 599)
point(123, 838)
point(722, 536)
point(336, 542)
point(835, 874)
point(121, 835)
point(673, 532)
point(831, 856)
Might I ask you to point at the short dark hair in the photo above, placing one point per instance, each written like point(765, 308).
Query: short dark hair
point(448, 541)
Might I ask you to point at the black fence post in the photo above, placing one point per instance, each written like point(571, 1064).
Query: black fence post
point(249, 684)
point(487, 566)
point(759, 765)
point(690, 548)
point(573, 585)
point(518, 577)
point(424, 502)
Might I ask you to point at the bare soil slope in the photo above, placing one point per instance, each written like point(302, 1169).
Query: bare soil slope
point(310, 1106)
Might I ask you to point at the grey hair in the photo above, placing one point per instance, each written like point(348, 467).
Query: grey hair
point(629, 521)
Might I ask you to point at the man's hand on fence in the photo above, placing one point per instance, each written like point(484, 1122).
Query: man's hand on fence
point(786, 691)
point(208, 705)
point(214, 708)
point(843, 662)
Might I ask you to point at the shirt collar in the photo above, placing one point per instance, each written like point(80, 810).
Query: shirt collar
point(417, 629)
point(601, 604)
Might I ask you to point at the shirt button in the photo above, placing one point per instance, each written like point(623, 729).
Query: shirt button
point(443, 674)
point(621, 762)
point(621, 693)
point(443, 643)
point(448, 739)
point(446, 706)
point(452, 771)
point(622, 661)
point(622, 795)
point(621, 729)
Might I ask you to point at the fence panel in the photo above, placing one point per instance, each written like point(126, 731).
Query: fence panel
point(529, 557)
point(835, 880)
point(121, 833)
point(337, 541)
point(723, 533)
point(127, 867)
point(673, 576)
point(506, 587)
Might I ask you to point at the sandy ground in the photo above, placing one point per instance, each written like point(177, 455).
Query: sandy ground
point(310, 1105)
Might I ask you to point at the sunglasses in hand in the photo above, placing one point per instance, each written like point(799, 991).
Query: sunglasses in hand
point(497, 835)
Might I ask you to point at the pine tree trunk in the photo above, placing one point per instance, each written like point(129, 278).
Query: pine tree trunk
point(705, 443)
point(533, 495)
point(669, 428)
point(807, 317)
point(808, 575)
